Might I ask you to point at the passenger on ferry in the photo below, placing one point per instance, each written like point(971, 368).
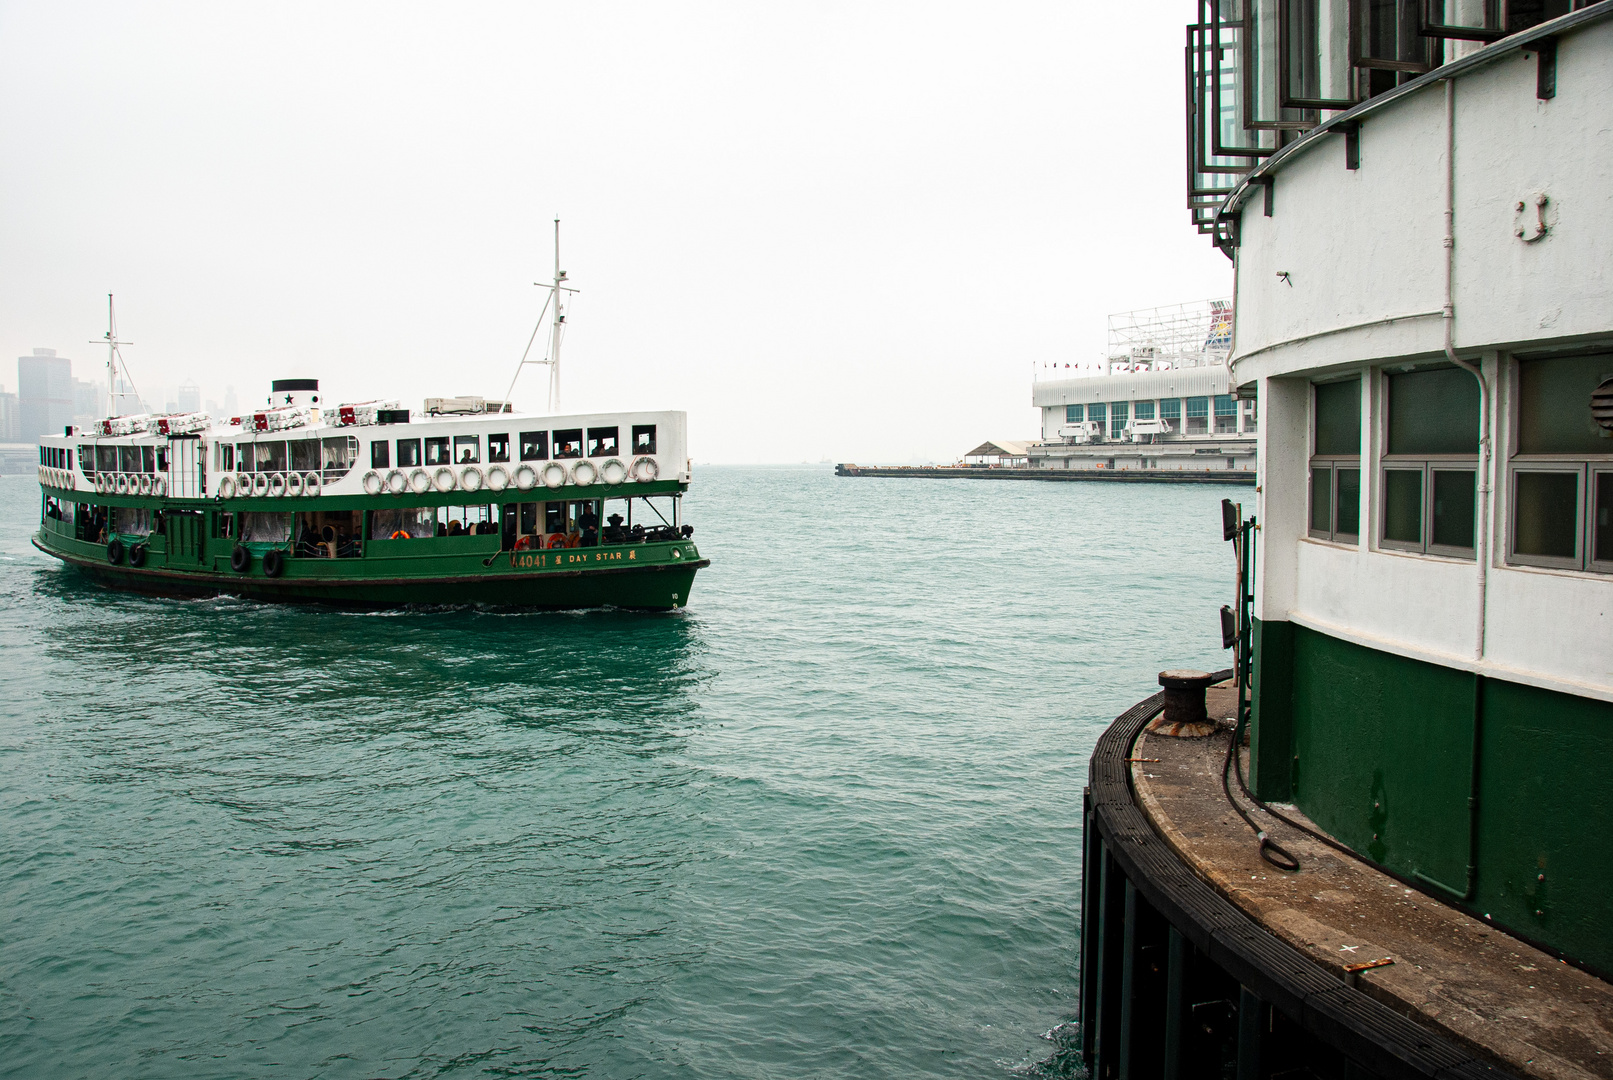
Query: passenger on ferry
point(614, 533)
point(588, 523)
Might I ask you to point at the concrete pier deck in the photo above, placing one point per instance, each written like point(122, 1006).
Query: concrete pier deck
point(1112, 476)
point(1510, 1003)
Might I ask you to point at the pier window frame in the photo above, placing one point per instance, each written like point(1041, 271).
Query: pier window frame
point(1225, 409)
point(1074, 414)
point(1170, 410)
point(1098, 413)
point(1119, 417)
point(1196, 416)
point(1547, 444)
point(1142, 410)
point(1334, 469)
point(1418, 441)
point(534, 445)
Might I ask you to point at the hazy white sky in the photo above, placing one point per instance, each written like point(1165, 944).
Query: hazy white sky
point(839, 231)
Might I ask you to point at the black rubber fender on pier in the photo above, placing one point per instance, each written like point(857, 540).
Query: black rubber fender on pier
point(114, 551)
point(274, 563)
point(240, 560)
point(137, 555)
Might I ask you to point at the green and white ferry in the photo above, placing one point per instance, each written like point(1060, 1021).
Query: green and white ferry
point(367, 505)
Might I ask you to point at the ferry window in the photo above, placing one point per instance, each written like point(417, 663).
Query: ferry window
point(413, 522)
point(128, 459)
point(1602, 520)
point(568, 443)
point(467, 449)
point(1198, 416)
point(1561, 481)
point(1554, 414)
point(271, 457)
point(162, 459)
point(408, 453)
point(554, 517)
point(265, 528)
point(1170, 409)
point(1336, 462)
point(498, 448)
point(86, 459)
point(1226, 414)
point(339, 455)
point(534, 445)
point(224, 526)
point(1073, 414)
point(1118, 413)
point(437, 452)
point(226, 457)
point(602, 441)
point(246, 457)
point(380, 454)
point(148, 459)
point(1430, 477)
point(529, 519)
point(305, 455)
point(1143, 410)
point(643, 438)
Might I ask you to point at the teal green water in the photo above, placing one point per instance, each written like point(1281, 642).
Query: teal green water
point(825, 822)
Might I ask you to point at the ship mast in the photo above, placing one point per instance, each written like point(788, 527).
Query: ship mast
point(554, 304)
point(115, 362)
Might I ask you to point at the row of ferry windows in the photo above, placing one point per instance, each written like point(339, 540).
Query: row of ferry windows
point(334, 457)
point(1558, 482)
point(1117, 413)
point(529, 446)
point(56, 457)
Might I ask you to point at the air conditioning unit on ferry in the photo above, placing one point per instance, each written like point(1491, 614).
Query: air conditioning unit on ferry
point(122, 425)
point(179, 423)
point(362, 414)
point(464, 406)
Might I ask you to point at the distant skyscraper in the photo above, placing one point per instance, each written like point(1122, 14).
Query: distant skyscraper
point(190, 397)
point(89, 402)
point(10, 423)
point(44, 394)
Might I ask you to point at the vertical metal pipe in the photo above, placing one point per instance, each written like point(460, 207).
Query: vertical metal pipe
point(1175, 1004)
point(1089, 931)
point(1128, 981)
point(1251, 1032)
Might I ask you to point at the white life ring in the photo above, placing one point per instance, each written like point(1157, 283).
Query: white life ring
point(145, 483)
point(584, 473)
point(613, 472)
point(120, 483)
point(645, 469)
point(443, 478)
point(294, 483)
point(260, 484)
point(373, 484)
point(98, 482)
point(311, 483)
point(243, 485)
point(159, 486)
point(397, 483)
point(277, 484)
point(226, 486)
point(497, 478)
point(526, 477)
point(419, 482)
point(471, 478)
point(554, 476)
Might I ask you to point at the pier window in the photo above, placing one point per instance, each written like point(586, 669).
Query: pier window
point(603, 441)
point(1198, 416)
point(1336, 461)
point(1170, 410)
point(1226, 415)
point(1561, 477)
point(380, 454)
point(498, 448)
point(1430, 464)
point(1098, 413)
point(1143, 410)
point(1073, 414)
point(568, 443)
point(467, 449)
point(534, 446)
point(408, 453)
point(643, 438)
point(438, 452)
point(1251, 415)
point(1118, 415)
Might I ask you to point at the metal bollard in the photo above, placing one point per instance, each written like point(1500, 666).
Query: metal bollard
point(1184, 696)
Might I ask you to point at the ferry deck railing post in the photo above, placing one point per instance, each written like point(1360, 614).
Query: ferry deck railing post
point(1175, 1003)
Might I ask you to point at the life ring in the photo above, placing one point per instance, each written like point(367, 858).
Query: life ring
point(100, 483)
point(584, 473)
point(240, 559)
point(145, 483)
point(558, 540)
point(471, 478)
point(226, 486)
point(573, 540)
point(400, 535)
point(645, 470)
point(312, 484)
point(137, 555)
point(419, 482)
point(522, 543)
point(243, 485)
point(373, 484)
point(526, 477)
point(159, 486)
point(273, 562)
point(277, 484)
point(114, 551)
point(260, 484)
point(497, 478)
point(294, 484)
point(554, 476)
point(443, 479)
point(613, 472)
point(120, 484)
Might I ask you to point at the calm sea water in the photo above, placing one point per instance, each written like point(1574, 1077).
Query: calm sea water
point(825, 822)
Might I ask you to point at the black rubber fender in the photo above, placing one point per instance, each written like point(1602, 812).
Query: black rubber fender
point(274, 563)
point(137, 555)
point(240, 560)
point(114, 551)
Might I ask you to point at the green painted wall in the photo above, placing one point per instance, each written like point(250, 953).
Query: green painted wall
point(1380, 754)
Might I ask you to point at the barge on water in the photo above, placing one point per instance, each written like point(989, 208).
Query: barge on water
point(364, 505)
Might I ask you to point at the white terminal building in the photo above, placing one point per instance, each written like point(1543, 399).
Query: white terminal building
point(1162, 400)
